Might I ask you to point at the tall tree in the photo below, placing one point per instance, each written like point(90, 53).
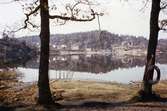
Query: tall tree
point(151, 50)
point(155, 26)
point(156, 7)
point(43, 82)
point(73, 13)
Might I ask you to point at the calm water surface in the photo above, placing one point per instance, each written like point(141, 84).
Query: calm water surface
point(91, 67)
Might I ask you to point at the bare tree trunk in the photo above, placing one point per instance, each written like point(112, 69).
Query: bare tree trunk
point(151, 51)
point(43, 82)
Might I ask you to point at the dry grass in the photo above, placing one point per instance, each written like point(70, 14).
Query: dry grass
point(75, 92)
point(161, 88)
point(70, 91)
point(88, 90)
point(4, 75)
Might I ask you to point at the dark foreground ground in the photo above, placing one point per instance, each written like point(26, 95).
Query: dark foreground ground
point(80, 96)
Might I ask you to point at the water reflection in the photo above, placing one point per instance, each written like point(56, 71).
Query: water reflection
point(121, 75)
point(92, 67)
point(12, 63)
point(93, 63)
point(89, 63)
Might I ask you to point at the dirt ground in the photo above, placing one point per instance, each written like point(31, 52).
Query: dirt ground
point(79, 96)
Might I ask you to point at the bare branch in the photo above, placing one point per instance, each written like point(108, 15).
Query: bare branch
point(36, 2)
point(73, 18)
point(163, 24)
point(145, 5)
point(26, 22)
point(164, 5)
point(71, 8)
point(33, 25)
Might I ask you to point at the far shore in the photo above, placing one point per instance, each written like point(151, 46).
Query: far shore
point(115, 53)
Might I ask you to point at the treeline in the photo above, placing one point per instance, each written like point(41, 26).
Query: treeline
point(95, 40)
point(92, 39)
point(11, 49)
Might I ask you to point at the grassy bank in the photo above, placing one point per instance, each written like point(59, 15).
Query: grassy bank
point(68, 91)
point(75, 91)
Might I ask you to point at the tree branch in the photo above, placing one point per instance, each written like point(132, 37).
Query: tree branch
point(73, 18)
point(71, 8)
point(26, 22)
point(145, 5)
point(163, 24)
point(164, 6)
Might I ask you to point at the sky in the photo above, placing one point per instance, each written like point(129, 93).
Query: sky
point(119, 17)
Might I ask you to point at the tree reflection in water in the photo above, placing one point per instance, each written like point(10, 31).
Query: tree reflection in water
point(93, 63)
point(67, 67)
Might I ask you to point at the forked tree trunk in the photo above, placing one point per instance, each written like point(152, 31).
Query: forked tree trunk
point(151, 51)
point(43, 82)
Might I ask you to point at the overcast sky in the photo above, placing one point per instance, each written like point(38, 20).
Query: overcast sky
point(121, 18)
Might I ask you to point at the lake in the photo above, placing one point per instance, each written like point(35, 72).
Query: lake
point(102, 68)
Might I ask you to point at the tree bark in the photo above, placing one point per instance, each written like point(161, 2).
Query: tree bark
point(151, 51)
point(45, 96)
